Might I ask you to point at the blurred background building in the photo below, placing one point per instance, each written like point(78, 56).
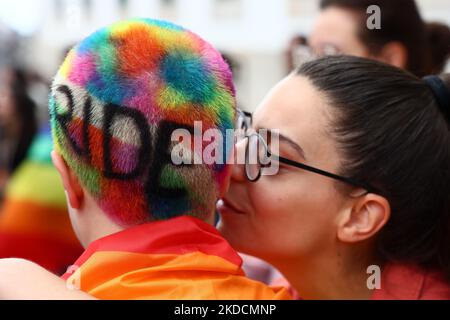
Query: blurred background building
point(253, 34)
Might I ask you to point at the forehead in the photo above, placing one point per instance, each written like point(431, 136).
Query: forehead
point(298, 111)
point(292, 106)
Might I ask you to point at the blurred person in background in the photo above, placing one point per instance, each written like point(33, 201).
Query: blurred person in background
point(404, 40)
point(297, 52)
point(18, 123)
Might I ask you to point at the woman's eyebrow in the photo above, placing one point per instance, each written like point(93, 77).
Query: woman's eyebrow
point(289, 141)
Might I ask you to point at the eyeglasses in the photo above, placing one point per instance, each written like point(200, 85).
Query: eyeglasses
point(244, 120)
point(303, 53)
point(258, 157)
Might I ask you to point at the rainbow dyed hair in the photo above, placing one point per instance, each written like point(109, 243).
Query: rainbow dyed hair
point(115, 102)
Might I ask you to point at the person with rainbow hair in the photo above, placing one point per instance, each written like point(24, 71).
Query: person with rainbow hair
point(147, 224)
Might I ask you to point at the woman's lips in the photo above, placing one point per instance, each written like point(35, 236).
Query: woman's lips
point(224, 206)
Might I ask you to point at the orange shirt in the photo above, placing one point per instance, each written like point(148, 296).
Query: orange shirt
point(178, 259)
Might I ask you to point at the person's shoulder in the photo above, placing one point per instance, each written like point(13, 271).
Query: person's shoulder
point(25, 280)
point(411, 282)
point(11, 268)
point(435, 286)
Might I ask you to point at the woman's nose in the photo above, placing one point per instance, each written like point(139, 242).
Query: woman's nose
point(238, 171)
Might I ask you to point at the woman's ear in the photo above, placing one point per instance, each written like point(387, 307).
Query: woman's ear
point(75, 194)
point(395, 54)
point(368, 214)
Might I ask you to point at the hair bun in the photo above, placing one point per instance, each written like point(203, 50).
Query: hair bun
point(439, 40)
point(441, 91)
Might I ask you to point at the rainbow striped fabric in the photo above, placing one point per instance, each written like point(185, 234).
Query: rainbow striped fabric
point(34, 223)
point(179, 259)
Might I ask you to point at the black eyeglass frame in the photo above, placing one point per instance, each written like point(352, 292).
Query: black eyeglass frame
point(350, 181)
point(243, 118)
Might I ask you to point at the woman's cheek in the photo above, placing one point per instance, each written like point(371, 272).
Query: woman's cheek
point(272, 205)
point(264, 199)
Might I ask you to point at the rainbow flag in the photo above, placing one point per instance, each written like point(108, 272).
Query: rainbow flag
point(34, 223)
point(179, 259)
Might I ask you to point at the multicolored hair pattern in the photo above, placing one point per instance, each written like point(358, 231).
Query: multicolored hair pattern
point(115, 102)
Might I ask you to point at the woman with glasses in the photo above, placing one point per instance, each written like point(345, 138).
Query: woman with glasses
point(360, 205)
point(402, 38)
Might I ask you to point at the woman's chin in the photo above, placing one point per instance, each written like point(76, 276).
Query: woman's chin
point(225, 208)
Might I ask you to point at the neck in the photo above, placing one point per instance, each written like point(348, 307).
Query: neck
point(337, 276)
point(97, 225)
point(91, 223)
